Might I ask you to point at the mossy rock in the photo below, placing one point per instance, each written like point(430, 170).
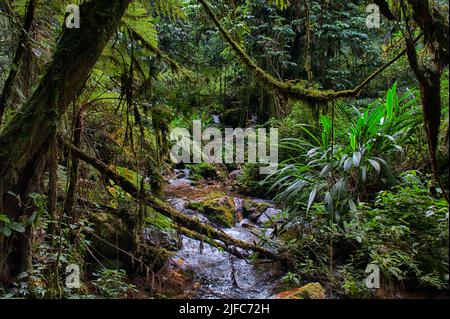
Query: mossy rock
point(169, 240)
point(114, 230)
point(220, 210)
point(309, 291)
point(289, 234)
point(195, 177)
point(202, 171)
point(161, 232)
point(254, 209)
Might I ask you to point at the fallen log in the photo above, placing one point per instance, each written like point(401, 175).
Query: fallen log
point(232, 250)
point(194, 225)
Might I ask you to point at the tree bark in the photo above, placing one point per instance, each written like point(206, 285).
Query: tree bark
point(24, 142)
point(71, 198)
point(21, 49)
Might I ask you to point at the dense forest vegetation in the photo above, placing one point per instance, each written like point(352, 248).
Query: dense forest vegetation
point(93, 205)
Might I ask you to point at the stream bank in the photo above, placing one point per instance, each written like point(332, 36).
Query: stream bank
point(218, 274)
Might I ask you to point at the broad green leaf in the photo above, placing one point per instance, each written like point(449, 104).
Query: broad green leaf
point(5, 219)
point(329, 202)
point(356, 158)
point(312, 196)
point(17, 227)
point(348, 164)
point(6, 231)
point(375, 165)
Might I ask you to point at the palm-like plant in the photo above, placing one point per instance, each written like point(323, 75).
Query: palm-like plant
point(337, 171)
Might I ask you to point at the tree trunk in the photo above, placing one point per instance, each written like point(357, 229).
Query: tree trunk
point(24, 142)
point(21, 50)
point(71, 198)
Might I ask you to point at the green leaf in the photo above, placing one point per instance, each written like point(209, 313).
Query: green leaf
point(353, 141)
point(329, 201)
point(348, 164)
point(356, 158)
point(375, 165)
point(352, 206)
point(17, 227)
point(363, 173)
point(6, 231)
point(312, 196)
point(32, 218)
point(4, 218)
point(327, 168)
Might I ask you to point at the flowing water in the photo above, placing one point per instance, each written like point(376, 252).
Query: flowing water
point(220, 274)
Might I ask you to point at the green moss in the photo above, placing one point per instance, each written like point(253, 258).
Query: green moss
point(112, 229)
point(254, 209)
point(132, 176)
point(217, 207)
point(195, 177)
point(197, 206)
point(159, 221)
point(202, 170)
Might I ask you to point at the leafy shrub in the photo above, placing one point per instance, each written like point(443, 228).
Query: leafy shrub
point(339, 171)
point(250, 182)
point(405, 232)
point(111, 283)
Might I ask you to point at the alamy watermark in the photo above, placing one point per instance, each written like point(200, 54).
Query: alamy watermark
point(373, 20)
point(73, 276)
point(73, 18)
point(372, 280)
point(239, 146)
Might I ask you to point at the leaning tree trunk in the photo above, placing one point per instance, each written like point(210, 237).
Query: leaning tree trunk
point(24, 142)
point(21, 50)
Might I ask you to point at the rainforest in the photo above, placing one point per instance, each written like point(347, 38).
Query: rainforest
point(209, 149)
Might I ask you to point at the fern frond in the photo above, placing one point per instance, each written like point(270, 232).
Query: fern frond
point(139, 19)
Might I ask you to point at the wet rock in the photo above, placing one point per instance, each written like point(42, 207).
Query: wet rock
point(309, 291)
point(169, 240)
point(220, 210)
point(268, 216)
point(253, 209)
point(182, 173)
point(189, 211)
point(239, 208)
point(111, 229)
point(247, 224)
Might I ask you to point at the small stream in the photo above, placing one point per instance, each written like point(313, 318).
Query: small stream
point(220, 274)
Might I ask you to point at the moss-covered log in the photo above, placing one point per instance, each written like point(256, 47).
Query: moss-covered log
point(191, 224)
point(300, 90)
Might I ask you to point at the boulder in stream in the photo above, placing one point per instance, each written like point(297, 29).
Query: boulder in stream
point(217, 207)
point(309, 291)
